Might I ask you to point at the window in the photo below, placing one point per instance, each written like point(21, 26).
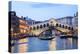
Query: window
point(22, 26)
point(22, 21)
point(21, 30)
point(24, 31)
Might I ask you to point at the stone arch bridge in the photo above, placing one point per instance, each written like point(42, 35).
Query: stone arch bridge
point(37, 29)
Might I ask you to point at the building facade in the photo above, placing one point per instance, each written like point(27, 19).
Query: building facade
point(14, 23)
point(23, 25)
point(66, 20)
point(76, 19)
point(18, 25)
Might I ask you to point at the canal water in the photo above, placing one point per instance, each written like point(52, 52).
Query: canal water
point(34, 44)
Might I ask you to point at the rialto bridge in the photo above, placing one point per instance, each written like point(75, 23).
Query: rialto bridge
point(37, 29)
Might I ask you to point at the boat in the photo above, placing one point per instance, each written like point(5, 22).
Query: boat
point(67, 36)
point(44, 37)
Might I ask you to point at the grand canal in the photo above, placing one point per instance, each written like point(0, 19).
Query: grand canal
point(34, 44)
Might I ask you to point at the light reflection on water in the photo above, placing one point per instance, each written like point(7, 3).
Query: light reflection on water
point(57, 43)
point(36, 44)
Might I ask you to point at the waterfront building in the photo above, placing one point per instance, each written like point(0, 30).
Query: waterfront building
point(70, 20)
point(18, 24)
point(66, 20)
point(23, 25)
point(14, 22)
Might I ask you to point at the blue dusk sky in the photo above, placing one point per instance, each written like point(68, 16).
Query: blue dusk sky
point(43, 11)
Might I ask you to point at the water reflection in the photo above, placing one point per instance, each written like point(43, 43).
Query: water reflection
point(57, 43)
point(35, 44)
point(32, 44)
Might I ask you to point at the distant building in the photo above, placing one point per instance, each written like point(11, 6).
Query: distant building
point(30, 21)
point(70, 20)
point(36, 22)
point(66, 20)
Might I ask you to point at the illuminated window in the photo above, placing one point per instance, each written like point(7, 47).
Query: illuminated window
point(21, 30)
point(21, 26)
point(22, 21)
point(24, 31)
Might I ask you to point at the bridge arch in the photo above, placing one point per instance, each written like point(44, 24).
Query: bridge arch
point(41, 26)
point(47, 30)
point(44, 25)
point(37, 27)
point(34, 28)
point(47, 24)
point(60, 25)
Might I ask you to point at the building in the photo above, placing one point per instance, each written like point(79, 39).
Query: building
point(76, 19)
point(66, 20)
point(70, 20)
point(30, 21)
point(14, 23)
point(23, 25)
point(75, 23)
point(18, 25)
